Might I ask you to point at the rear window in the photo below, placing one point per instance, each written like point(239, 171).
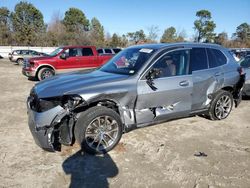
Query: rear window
point(198, 59)
point(216, 58)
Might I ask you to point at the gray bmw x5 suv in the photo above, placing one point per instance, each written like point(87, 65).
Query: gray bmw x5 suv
point(140, 86)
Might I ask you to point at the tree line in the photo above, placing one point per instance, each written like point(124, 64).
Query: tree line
point(26, 26)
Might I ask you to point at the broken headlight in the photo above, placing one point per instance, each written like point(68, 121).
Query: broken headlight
point(47, 104)
point(71, 102)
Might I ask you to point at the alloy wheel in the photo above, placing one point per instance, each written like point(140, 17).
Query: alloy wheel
point(101, 133)
point(223, 107)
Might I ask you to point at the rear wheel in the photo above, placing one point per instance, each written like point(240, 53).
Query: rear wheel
point(20, 61)
point(221, 105)
point(45, 73)
point(98, 130)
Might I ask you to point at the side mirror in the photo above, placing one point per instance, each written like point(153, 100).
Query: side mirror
point(153, 73)
point(63, 56)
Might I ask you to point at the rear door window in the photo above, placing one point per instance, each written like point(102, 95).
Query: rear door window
point(216, 58)
point(87, 52)
point(198, 59)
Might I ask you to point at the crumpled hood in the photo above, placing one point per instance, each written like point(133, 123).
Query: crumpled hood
point(76, 83)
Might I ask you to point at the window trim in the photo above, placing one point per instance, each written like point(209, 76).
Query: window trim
point(145, 71)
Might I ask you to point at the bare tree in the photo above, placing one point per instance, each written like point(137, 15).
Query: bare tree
point(153, 32)
point(56, 32)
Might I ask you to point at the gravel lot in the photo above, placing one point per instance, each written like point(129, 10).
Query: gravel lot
point(156, 156)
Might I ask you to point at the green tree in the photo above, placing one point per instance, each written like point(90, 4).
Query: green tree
point(97, 32)
point(28, 24)
point(5, 34)
point(115, 41)
point(124, 41)
point(243, 32)
point(137, 37)
point(169, 35)
point(204, 26)
point(75, 20)
point(221, 38)
point(77, 27)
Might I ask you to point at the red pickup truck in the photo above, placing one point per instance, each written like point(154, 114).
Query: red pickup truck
point(63, 59)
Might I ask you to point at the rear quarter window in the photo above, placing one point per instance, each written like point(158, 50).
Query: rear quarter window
point(216, 58)
point(16, 52)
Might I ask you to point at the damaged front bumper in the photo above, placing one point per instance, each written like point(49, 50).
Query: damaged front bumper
point(41, 125)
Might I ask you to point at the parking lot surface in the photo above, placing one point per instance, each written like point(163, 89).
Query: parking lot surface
point(192, 152)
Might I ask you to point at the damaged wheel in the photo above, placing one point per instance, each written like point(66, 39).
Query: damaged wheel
point(221, 106)
point(98, 130)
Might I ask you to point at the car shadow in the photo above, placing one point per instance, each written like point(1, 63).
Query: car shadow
point(245, 97)
point(89, 170)
point(32, 79)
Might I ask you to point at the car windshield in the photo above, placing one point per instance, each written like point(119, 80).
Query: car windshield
point(56, 51)
point(128, 61)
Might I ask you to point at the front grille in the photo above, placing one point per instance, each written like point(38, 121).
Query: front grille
point(25, 63)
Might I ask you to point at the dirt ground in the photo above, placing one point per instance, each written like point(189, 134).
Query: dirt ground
point(156, 156)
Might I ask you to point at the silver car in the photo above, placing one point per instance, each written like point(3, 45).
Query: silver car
point(140, 86)
point(245, 64)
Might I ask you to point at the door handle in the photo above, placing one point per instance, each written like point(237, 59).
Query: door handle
point(184, 83)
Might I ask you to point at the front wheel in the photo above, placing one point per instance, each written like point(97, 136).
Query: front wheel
point(221, 105)
point(45, 73)
point(98, 130)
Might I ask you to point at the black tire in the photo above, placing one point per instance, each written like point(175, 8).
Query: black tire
point(84, 125)
point(216, 106)
point(45, 73)
point(20, 61)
